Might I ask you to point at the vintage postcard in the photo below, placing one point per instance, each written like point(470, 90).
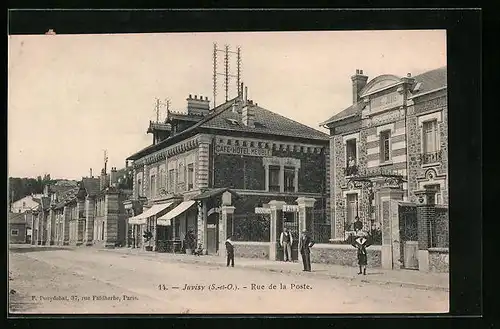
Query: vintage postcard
point(229, 173)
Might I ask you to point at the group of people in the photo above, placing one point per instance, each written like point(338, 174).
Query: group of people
point(360, 241)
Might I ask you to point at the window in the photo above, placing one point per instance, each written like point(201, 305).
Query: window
point(430, 145)
point(152, 186)
point(14, 232)
point(385, 146)
point(352, 210)
point(351, 163)
point(289, 180)
point(190, 174)
point(171, 179)
point(181, 173)
point(274, 178)
point(139, 187)
point(437, 188)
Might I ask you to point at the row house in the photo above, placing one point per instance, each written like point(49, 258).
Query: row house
point(393, 135)
point(91, 212)
point(237, 149)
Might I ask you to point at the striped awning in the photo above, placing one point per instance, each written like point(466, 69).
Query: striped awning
point(181, 208)
point(155, 209)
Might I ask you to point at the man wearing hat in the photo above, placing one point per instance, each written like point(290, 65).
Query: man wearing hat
point(361, 243)
point(305, 244)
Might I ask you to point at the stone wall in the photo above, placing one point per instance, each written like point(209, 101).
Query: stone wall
point(439, 260)
point(441, 227)
point(345, 255)
point(251, 249)
point(418, 172)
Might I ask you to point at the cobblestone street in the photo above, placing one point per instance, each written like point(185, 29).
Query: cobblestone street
point(86, 280)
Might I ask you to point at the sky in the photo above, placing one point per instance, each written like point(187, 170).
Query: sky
point(70, 97)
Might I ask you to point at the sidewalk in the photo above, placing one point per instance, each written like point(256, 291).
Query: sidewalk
point(402, 278)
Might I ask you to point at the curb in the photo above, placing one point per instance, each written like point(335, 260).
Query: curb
point(292, 272)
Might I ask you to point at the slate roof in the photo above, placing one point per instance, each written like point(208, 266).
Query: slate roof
point(266, 122)
point(429, 80)
point(68, 196)
point(91, 185)
point(17, 218)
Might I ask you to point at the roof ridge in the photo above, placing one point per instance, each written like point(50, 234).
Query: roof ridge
point(291, 120)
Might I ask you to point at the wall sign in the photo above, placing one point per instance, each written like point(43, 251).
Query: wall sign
point(387, 101)
point(242, 150)
point(290, 208)
point(260, 210)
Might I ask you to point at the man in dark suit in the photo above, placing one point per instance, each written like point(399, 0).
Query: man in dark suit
point(305, 244)
point(230, 252)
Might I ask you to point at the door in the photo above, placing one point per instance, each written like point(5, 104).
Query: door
point(408, 232)
point(352, 211)
point(212, 233)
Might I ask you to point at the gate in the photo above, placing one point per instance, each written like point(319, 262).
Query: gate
point(251, 227)
point(408, 233)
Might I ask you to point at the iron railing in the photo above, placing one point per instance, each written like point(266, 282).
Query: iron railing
point(351, 170)
point(431, 157)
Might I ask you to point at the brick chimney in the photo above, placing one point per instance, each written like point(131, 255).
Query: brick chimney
point(113, 177)
point(248, 114)
point(200, 106)
point(358, 82)
point(103, 180)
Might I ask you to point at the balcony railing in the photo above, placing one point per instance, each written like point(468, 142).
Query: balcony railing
point(351, 170)
point(432, 157)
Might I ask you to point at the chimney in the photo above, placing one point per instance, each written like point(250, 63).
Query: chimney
point(248, 114)
point(102, 180)
point(358, 82)
point(113, 177)
point(241, 90)
point(245, 95)
point(198, 106)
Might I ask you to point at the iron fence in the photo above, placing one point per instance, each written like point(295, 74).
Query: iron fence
point(321, 228)
point(251, 227)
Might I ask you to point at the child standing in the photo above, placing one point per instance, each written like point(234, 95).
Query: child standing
point(230, 252)
point(361, 243)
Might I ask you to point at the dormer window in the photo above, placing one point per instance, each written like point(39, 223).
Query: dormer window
point(233, 122)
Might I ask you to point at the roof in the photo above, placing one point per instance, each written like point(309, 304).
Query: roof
point(215, 192)
point(152, 148)
point(266, 122)
point(91, 185)
point(352, 110)
point(431, 80)
point(158, 126)
point(17, 218)
point(68, 196)
point(223, 118)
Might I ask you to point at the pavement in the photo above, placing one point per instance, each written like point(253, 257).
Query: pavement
point(403, 278)
point(89, 280)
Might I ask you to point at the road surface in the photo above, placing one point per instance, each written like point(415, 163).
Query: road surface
point(87, 280)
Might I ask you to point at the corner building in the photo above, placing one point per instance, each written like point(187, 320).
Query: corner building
point(390, 143)
point(237, 154)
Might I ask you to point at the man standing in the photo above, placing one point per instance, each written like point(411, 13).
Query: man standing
point(286, 242)
point(230, 252)
point(305, 244)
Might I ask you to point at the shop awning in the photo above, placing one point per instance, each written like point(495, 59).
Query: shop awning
point(155, 209)
point(182, 207)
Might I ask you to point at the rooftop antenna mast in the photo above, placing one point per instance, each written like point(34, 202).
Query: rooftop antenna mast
point(105, 160)
point(158, 106)
point(226, 74)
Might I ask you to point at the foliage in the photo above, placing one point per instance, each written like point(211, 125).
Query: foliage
point(21, 187)
point(375, 236)
point(251, 227)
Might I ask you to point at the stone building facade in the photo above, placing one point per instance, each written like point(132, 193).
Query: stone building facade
point(393, 135)
point(238, 147)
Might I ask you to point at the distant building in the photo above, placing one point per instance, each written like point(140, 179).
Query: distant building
point(27, 203)
point(238, 147)
point(17, 228)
